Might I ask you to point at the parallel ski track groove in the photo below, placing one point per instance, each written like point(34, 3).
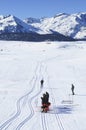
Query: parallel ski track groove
point(30, 105)
point(31, 114)
point(43, 118)
point(56, 115)
point(9, 121)
point(44, 125)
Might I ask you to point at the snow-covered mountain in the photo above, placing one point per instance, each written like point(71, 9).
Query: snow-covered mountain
point(31, 20)
point(12, 28)
point(71, 25)
point(13, 24)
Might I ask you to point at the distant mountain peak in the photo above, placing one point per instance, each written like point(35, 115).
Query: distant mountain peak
point(11, 23)
point(61, 14)
point(72, 25)
point(32, 20)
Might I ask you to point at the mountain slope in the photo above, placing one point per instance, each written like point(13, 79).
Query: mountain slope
point(12, 28)
point(66, 25)
point(12, 24)
point(73, 25)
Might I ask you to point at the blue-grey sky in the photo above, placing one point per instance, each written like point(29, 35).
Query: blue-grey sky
point(40, 8)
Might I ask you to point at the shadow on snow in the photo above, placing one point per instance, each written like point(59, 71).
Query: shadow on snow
point(62, 109)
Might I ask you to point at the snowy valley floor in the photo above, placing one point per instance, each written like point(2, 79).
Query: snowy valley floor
point(23, 65)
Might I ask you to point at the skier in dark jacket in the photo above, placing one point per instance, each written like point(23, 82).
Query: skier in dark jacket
point(43, 99)
point(47, 97)
point(72, 88)
point(42, 81)
point(45, 102)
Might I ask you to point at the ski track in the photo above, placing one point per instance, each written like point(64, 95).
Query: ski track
point(38, 70)
point(57, 116)
point(29, 103)
point(6, 124)
point(41, 66)
point(43, 119)
point(43, 115)
point(31, 110)
point(59, 122)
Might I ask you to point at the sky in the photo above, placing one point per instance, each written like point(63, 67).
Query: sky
point(40, 8)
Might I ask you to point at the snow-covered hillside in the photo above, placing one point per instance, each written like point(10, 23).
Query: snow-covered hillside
point(23, 65)
point(73, 25)
point(13, 24)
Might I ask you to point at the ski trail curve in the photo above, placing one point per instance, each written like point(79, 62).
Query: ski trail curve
point(18, 111)
point(30, 101)
point(44, 120)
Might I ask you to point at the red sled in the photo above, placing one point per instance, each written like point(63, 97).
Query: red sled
point(45, 107)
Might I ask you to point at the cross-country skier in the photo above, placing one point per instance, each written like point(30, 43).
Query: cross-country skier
point(47, 97)
point(72, 88)
point(42, 81)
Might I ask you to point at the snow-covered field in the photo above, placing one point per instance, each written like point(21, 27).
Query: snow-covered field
point(23, 65)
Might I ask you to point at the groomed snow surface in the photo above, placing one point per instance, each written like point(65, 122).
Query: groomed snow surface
point(60, 64)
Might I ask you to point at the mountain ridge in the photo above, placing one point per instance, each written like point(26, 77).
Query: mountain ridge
point(68, 25)
point(73, 25)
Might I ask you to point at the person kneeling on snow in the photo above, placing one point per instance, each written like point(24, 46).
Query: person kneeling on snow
point(45, 102)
